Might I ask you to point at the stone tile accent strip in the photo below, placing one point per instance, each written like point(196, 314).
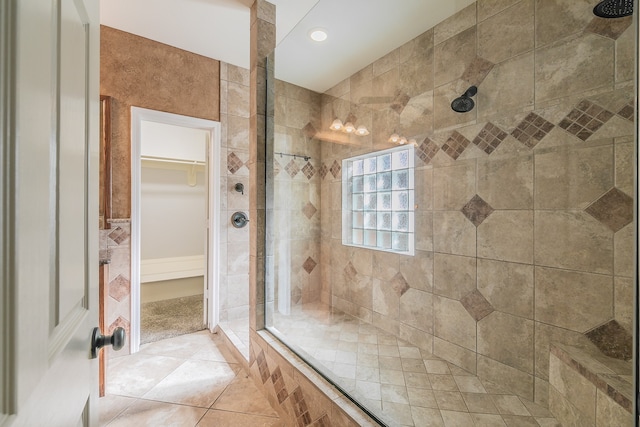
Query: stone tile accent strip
point(335, 169)
point(427, 150)
point(627, 112)
point(309, 130)
point(309, 265)
point(477, 210)
point(300, 408)
point(477, 305)
point(455, 145)
point(119, 235)
point(279, 385)
point(119, 288)
point(323, 171)
point(489, 138)
point(611, 28)
point(585, 120)
point(309, 210)
point(276, 168)
point(532, 129)
point(613, 340)
point(399, 284)
point(350, 271)
point(262, 366)
point(292, 168)
point(233, 162)
point(308, 170)
point(614, 209)
point(120, 322)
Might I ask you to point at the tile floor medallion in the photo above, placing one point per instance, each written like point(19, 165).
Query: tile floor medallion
point(400, 383)
point(190, 380)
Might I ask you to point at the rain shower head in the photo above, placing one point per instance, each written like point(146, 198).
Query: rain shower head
point(464, 103)
point(613, 8)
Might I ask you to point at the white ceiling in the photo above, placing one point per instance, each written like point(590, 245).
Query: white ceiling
point(360, 31)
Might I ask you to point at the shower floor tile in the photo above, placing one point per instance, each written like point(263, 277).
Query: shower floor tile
point(401, 384)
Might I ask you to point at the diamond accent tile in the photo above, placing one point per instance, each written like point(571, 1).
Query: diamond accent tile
point(532, 129)
point(455, 145)
point(427, 150)
point(292, 168)
point(276, 168)
point(300, 408)
point(399, 284)
point(477, 71)
point(350, 271)
point(323, 421)
point(119, 235)
point(323, 171)
point(308, 170)
point(477, 210)
point(476, 305)
point(335, 169)
point(263, 367)
point(627, 112)
point(585, 120)
point(309, 130)
point(309, 210)
point(399, 102)
point(279, 385)
point(309, 265)
point(611, 28)
point(613, 340)
point(614, 209)
point(120, 322)
point(296, 295)
point(119, 288)
point(233, 162)
point(489, 138)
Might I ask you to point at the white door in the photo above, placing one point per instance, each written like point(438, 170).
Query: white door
point(49, 192)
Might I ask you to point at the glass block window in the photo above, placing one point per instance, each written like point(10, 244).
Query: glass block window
point(378, 200)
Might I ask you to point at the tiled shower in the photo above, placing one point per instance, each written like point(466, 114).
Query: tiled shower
point(521, 284)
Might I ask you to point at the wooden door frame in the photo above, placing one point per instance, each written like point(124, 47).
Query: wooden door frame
point(212, 276)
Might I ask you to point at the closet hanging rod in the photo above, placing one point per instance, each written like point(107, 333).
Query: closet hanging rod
point(295, 156)
point(173, 160)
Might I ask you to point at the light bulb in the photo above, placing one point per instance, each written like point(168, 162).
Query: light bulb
point(394, 138)
point(336, 125)
point(402, 141)
point(349, 127)
point(362, 131)
point(318, 34)
point(413, 142)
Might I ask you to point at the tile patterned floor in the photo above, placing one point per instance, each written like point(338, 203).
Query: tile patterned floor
point(400, 383)
point(190, 380)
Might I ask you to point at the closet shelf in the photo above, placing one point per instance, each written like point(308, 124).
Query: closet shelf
point(172, 160)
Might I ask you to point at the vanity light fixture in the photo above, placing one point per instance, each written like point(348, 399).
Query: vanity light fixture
point(349, 127)
point(318, 34)
point(401, 140)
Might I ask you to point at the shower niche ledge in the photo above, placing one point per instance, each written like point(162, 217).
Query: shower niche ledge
point(588, 388)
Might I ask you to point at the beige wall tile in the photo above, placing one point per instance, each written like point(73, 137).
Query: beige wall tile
point(625, 48)
point(579, 391)
point(623, 251)
point(443, 116)
point(454, 276)
point(507, 286)
point(386, 301)
point(557, 19)
point(453, 56)
point(417, 116)
point(424, 231)
point(572, 178)
point(423, 189)
point(508, 87)
point(418, 270)
point(578, 65)
point(453, 233)
point(507, 339)
point(573, 300)
point(507, 183)
point(565, 412)
point(510, 378)
point(610, 413)
point(416, 310)
point(573, 240)
point(487, 8)
point(624, 166)
point(452, 323)
point(454, 186)
point(458, 355)
point(514, 24)
point(545, 335)
point(454, 25)
point(517, 247)
point(624, 302)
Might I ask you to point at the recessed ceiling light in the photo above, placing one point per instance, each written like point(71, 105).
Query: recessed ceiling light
point(318, 34)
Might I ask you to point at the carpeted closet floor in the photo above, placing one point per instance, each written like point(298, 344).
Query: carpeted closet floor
point(169, 318)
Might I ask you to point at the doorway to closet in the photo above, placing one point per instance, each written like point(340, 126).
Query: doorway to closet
point(173, 250)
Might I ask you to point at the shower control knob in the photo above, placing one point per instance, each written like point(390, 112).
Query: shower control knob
point(98, 340)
